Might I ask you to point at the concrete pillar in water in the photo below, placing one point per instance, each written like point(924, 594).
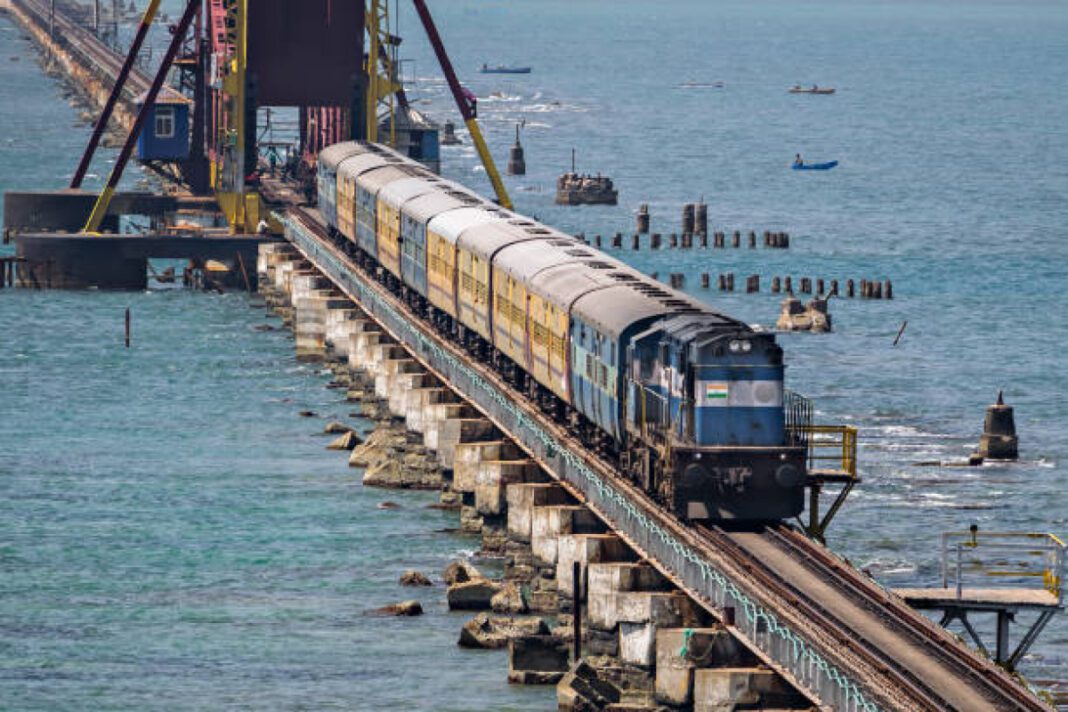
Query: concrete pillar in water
point(999, 441)
point(643, 219)
point(517, 165)
point(688, 218)
point(700, 222)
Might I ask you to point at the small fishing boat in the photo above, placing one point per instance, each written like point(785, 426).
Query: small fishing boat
point(502, 69)
point(814, 166)
point(701, 85)
point(798, 89)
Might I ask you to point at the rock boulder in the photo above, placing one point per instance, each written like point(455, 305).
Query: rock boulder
point(484, 631)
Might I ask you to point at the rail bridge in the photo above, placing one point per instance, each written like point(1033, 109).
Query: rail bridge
point(830, 631)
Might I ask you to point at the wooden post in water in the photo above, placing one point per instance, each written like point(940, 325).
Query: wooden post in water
point(900, 331)
point(127, 327)
point(244, 273)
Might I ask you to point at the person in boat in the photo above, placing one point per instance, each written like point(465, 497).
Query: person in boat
point(798, 161)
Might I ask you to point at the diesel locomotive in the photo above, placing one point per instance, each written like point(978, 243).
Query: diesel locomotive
point(688, 402)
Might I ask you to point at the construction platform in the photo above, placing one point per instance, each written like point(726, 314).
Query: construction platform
point(986, 573)
point(79, 261)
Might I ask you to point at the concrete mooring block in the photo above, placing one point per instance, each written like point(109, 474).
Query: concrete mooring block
point(680, 651)
point(536, 660)
point(726, 689)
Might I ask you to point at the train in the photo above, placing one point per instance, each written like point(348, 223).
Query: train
point(687, 402)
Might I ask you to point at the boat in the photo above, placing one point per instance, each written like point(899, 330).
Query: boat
point(798, 89)
point(502, 69)
point(814, 166)
point(701, 85)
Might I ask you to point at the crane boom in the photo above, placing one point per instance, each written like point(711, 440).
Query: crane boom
point(465, 103)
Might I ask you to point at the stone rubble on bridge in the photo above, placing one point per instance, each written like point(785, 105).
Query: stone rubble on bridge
point(645, 645)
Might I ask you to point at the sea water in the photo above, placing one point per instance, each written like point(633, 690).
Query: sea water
point(173, 535)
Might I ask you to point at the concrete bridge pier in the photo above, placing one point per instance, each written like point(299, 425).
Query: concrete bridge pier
point(310, 315)
point(420, 398)
point(469, 453)
point(437, 414)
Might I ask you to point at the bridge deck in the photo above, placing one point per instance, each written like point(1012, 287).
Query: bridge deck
point(975, 598)
point(816, 660)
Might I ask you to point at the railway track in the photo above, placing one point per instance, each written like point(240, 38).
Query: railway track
point(855, 647)
point(96, 53)
point(872, 623)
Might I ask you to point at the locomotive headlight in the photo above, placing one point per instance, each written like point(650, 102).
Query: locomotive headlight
point(735, 346)
point(747, 346)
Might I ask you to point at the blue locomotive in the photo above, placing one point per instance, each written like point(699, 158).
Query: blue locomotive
point(689, 403)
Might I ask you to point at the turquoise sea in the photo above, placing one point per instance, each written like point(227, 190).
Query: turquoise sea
point(174, 536)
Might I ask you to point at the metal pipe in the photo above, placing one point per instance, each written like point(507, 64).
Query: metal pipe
point(576, 608)
point(101, 207)
point(960, 585)
point(116, 92)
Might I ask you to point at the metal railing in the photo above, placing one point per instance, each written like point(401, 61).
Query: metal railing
point(832, 450)
point(798, 412)
point(978, 559)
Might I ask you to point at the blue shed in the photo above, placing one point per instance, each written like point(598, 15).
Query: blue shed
point(165, 135)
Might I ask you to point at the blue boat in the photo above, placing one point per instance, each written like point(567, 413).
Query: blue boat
point(815, 166)
point(501, 69)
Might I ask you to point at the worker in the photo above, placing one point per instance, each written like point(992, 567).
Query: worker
point(798, 161)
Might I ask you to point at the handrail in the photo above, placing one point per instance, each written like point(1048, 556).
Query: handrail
point(841, 440)
point(1019, 556)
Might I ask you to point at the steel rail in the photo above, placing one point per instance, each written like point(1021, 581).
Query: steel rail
point(869, 594)
point(810, 658)
point(926, 685)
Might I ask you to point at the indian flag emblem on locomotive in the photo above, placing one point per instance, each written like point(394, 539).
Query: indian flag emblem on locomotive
point(717, 392)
